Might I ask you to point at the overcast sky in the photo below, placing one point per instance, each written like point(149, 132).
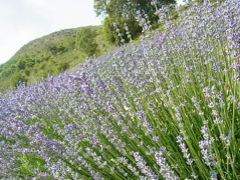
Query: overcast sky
point(24, 20)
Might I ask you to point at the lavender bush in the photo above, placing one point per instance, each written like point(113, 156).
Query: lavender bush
point(165, 109)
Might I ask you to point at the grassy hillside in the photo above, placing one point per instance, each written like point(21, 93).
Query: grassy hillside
point(51, 54)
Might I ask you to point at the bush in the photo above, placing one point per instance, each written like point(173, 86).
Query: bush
point(21, 64)
point(18, 78)
point(86, 41)
point(63, 66)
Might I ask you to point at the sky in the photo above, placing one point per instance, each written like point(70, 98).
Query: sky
point(24, 20)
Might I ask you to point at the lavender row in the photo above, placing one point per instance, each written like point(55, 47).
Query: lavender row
point(167, 108)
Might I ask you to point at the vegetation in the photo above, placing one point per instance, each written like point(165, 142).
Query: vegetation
point(59, 51)
point(167, 108)
point(124, 13)
point(51, 54)
point(86, 41)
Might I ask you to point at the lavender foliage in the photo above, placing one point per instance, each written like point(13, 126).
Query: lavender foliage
point(167, 108)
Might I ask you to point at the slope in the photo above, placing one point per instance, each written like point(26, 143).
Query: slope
point(51, 54)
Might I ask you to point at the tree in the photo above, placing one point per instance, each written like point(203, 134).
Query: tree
point(110, 34)
point(18, 78)
point(127, 8)
point(124, 12)
point(63, 66)
point(21, 64)
point(86, 40)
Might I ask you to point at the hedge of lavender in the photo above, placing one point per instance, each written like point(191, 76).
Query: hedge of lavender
point(165, 109)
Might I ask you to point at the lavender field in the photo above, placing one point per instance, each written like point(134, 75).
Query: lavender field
point(168, 108)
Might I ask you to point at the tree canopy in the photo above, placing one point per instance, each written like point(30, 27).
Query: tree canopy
point(86, 40)
point(124, 12)
point(127, 8)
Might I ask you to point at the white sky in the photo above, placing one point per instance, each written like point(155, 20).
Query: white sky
point(24, 20)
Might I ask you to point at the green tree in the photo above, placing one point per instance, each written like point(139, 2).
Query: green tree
point(58, 49)
point(127, 8)
point(63, 66)
point(21, 64)
point(110, 34)
point(17, 78)
point(124, 12)
point(86, 39)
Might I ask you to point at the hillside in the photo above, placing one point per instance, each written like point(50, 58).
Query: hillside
point(51, 54)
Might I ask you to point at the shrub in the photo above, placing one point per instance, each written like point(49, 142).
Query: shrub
point(18, 78)
point(63, 66)
point(86, 40)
